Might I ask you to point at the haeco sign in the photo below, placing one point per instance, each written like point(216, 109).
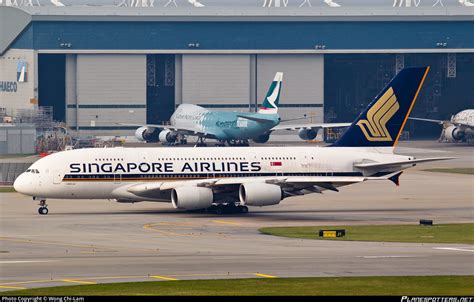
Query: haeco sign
point(21, 77)
point(8, 86)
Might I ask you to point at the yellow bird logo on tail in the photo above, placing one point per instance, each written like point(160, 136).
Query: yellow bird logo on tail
point(374, 127)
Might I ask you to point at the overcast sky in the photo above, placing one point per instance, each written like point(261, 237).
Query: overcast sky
point(255, 3)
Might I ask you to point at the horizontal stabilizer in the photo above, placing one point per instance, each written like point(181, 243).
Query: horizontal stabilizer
point(385, 165)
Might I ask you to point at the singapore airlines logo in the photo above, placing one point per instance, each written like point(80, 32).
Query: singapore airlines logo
point(374, 127)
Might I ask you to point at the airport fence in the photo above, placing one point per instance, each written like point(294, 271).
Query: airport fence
point(9, 171)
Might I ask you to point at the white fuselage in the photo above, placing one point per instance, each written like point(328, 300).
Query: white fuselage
point(107, 173)
point(465, 117)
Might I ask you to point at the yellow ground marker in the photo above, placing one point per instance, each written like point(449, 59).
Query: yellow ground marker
point(77, 281)
point(265, 276)
point(164, 278)
point(12, 287)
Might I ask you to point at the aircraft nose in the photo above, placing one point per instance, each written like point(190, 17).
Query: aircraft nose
point(20, 184)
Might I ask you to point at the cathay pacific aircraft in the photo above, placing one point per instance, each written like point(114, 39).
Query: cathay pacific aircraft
point(235, 178)
point(235, 128)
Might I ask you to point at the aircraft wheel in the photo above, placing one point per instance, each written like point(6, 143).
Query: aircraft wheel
point(244, 209)
point(43, 211)
point(219, 210)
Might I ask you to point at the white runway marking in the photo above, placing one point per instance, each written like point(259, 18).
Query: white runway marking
point(25, 261)
point(453, 249)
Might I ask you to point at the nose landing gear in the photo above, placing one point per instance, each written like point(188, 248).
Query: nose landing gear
point(43, 210)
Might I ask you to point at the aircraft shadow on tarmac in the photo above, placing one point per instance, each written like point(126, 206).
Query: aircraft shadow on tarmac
point(284, 215)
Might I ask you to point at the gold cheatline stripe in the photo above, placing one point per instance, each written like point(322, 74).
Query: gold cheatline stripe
point(412, 104)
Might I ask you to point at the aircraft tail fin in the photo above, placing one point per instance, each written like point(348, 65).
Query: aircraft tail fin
point(382, 122)
point(272, 99)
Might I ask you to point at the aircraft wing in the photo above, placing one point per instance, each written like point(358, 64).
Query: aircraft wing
point(256, 119)
point(446, 122)
point(182, 130)
point(291, 127)
point(426, 120)
point(312, 183)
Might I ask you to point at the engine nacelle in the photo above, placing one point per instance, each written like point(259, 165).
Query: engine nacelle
point(453, 133)
point(307, 134)
point(260, 194)
point(192, 198)
point(168, 136)
point(149, 135)
point(262, 139)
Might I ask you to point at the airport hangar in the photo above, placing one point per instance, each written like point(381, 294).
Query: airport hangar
point(100, 66)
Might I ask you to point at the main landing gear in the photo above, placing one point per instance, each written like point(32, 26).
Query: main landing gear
point(200, 142)
point(43, 210)
point(227, 209)
point(238, 142)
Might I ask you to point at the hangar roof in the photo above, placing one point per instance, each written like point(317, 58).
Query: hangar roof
point(89, 28)
point(101, 13)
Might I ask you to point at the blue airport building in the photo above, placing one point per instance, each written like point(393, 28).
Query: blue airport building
point(99, 67)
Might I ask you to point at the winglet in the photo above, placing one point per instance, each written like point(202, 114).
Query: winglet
point(396, 178)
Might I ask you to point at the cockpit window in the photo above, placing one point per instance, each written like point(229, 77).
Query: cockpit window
point(27, 171)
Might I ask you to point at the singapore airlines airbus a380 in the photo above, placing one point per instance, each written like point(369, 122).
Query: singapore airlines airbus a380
point(201, 178)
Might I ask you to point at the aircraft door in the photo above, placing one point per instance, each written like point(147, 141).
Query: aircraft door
point(57, 177)
point(117, 178)
point(305, 164)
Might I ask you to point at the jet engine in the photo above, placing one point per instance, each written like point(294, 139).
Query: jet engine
point(262, 139)
point(191, 198)
point(453, 133)
point(149, 135)
point(307, 134)
point(168, 136)
point(260, 194)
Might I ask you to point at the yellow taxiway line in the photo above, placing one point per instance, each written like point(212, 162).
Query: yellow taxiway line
point(265, 276)
point(151, 228)
point(77, 281)
point(12, 287)
point(164, 278)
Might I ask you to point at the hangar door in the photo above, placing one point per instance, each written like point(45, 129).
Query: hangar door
point(221, 81)
point(111, 89)
point(303, 83)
